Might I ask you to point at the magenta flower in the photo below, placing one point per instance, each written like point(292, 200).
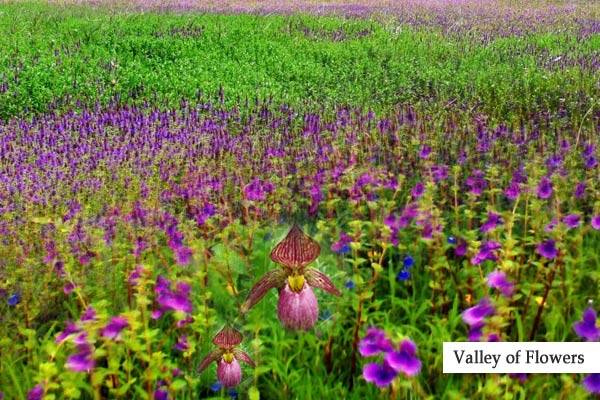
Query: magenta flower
point(587, 328)
point(70, 329)
point(172, 300)
point(36, 393)
point(182, 344)
point(379, 374)
point(571, 220)
point(405, 360)
point(226, 356)
point(498, 280)
point(595, 222)
point(113, 329)
point(82, 361)
point(297, 307)
point(88, 315)
point(547, 249)
point(475, 315)
point(374, 342)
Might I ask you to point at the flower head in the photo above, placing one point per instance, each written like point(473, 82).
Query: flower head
point(374, 342)
point(547, 249)
point(475, 315)
point(405, 360)
point(544, 189)
point(297, 307)
point(587, 328)
point(113, 329)
point(571, 220)
point(595, 222)
point(498, 280)
point(591, 383)
point(227, 357)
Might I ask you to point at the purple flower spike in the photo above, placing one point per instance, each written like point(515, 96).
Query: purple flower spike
point(374, 342)
point(544, 189)
point(114, 328)
point(475, 315)
point(591, 383)
point(498, 280)
point(161, 394)
point(547, 249)
point(405, 360)
point(182, 344)
point(586, 328)
point(379, 374)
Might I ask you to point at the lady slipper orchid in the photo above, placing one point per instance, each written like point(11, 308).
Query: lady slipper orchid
point(297, 307)
point(229, 371)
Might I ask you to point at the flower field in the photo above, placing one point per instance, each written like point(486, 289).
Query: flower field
point(294, 199)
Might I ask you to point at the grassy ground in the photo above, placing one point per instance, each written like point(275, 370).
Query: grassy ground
point(68, 54)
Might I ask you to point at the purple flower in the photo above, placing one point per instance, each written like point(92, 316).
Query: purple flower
point(418, 190)
point(476, 183)
point(173, 300)
point(487, 251)
point(113, 329)
point(498, 280)
point(297, 307)
point(475, 315)
point(579, 190)
point(342, 246)
point(135, 275)
point(493, 220)
point(547, 249)
point(374, 342)
point(70, 329)
point(69, 287)
point(36, 393)
point(405, 360)
point(586, 328)
point(182, 344)
point(595, 222)
point(379, 374)
point(551, 225)
point(591, 383)
point(513, 190)
point(544, 189)
point(226, 355)
point(88, 315)
point(82, 361)
point(425, 152)
point(161, 394)
point(461, 248)
point(571, 220)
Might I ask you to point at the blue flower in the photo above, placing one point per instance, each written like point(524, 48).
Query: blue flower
point(408, 261)
point(233, 393)
point(215, 387)
point(14, 299)
point(403, 275)
point(350, 284)
point(451, 240)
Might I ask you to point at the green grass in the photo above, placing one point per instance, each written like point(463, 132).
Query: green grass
point(66, 53)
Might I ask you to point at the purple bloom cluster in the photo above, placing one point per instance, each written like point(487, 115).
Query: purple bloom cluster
point(402, 359)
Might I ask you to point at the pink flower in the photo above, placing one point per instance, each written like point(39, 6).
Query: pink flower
point(298, 307)
point(229, 371)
